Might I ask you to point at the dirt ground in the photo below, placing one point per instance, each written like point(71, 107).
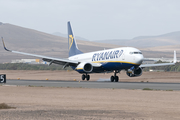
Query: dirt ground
point(46, 103)
point(73, 75)
point(50, 103)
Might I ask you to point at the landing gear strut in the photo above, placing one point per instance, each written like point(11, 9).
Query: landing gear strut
point(85, 76)
point(115, 78)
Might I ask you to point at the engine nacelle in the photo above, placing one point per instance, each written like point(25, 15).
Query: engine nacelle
point(86, 67)
point(135, 73)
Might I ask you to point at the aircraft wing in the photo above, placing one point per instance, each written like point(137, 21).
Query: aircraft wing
point(65, 62)
point(154, 65)
point(147, 59)
point(160, 64)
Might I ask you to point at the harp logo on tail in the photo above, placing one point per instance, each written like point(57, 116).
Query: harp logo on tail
point(70, 41)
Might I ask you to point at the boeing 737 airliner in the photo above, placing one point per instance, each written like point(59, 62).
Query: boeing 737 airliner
point(113, 60)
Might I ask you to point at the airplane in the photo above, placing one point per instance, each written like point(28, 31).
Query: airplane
point(112, 60)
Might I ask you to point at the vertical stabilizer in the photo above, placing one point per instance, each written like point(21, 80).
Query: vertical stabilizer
point(72, 46)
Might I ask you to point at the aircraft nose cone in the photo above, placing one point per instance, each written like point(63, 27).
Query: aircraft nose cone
point(139, 59)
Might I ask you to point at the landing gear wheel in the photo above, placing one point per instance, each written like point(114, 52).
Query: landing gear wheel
point(116, 78)
point(83, 77)
point(87, 77)
point(112, 78)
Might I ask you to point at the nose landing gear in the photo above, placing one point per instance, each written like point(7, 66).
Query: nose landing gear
point(115, 78)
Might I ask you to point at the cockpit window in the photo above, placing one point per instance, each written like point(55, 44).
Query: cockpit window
point(131, 53)
point(135, 53)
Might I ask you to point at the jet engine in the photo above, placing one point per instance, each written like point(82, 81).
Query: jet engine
point(87, 67)
point(134, 72)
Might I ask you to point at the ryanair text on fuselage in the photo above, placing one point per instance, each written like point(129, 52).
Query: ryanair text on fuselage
point(107, 55)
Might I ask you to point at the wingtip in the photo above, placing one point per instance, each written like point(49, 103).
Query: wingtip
point(4, 45)
point(175, 58)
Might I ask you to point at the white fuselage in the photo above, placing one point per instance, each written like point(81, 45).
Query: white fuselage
point(125, 55)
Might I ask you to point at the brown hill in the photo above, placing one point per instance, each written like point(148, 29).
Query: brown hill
point(152, 46)
point(161, 51)
point(36, 42)
point(148, 41)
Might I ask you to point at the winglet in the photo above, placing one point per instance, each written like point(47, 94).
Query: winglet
point(4, 45)
point(175, 58)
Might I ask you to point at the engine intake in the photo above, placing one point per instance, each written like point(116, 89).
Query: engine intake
point(87, 67)
point(135, 73)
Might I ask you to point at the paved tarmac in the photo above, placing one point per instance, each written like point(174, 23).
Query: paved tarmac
point(96, 84)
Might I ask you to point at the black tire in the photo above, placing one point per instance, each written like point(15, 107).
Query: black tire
point(116, 78)
point(83, 77)
point(87, 77)
point(112, 78)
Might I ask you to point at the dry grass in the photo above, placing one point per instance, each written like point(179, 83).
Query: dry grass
point(5, 106)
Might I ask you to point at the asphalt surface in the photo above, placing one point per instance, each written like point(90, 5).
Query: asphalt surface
point(96, 84)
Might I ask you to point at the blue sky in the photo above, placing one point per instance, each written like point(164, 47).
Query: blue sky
point(95, 19)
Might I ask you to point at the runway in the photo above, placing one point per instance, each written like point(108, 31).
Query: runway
point(96, 84)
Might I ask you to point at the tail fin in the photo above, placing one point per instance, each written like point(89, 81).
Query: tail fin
point(73, 49)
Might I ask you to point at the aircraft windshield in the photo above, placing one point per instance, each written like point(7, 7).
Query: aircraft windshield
point(135, 53)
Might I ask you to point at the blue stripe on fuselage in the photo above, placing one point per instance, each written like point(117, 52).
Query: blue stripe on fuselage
point(117, 65)
point(109, 66)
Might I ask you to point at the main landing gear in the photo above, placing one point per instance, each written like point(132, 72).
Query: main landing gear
point(85, 76)
point(115, 78)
